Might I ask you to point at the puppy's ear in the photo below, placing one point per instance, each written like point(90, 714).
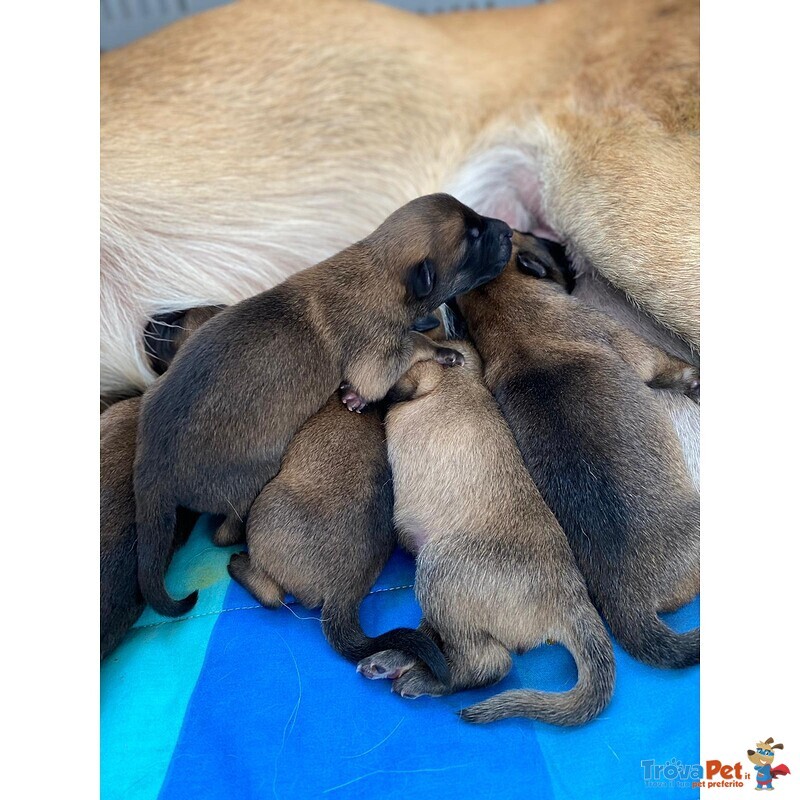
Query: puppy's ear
point(166, 333)
point(161, 339)
point(421, 280)
point(429, 323)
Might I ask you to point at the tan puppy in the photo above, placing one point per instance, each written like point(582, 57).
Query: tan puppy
point(121, 600)
point(243, 144)
point(494, 569)
point(322, 530)
point(214, 427)
point(577, 391)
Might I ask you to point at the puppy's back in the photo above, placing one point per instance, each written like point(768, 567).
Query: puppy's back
point(603, 452)
point(453, 427)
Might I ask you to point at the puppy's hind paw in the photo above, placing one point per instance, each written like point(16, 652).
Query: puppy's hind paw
point(416, 683)
point(448, 357)
point(388, 664)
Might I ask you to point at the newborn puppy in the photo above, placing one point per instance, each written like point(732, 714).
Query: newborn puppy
point(121, 600)
point(494, 570)
point(322, 530)
point(214, 427)
point(575, 388)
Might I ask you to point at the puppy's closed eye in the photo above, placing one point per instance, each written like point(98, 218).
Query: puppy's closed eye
point(423, 324)
point(422, 279)
point(531, 266)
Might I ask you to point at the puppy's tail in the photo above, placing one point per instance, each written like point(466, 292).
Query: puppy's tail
point(342, 629)
point(591, 648)
point(155, 529)
point(642, 634)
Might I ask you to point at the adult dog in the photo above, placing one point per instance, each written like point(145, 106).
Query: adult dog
point(244, 144)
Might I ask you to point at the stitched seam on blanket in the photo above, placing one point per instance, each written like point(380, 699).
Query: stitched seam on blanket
point(244, 608)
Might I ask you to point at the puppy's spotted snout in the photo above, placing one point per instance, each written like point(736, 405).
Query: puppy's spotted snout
point(505, 235)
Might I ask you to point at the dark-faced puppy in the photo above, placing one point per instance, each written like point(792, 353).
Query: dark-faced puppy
point(121, 600)
point(494, 570)
point(322, 530)
point(215, 426)
point(576, 390)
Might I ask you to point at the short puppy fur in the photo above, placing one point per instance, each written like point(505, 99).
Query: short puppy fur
point(214, 427)
point(598, 293)
point(322, 530)
point(494, 570)
point(121, 600)
point(576, 389)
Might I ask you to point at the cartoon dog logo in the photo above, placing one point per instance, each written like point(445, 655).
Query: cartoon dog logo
point(762, 757)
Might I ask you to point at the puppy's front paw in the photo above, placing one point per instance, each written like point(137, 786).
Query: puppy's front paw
point(417, 682)
point(352, 399)
point(389, 664)
point(448, 357)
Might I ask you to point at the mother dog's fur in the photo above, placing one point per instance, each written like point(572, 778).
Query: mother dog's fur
point(242, 145)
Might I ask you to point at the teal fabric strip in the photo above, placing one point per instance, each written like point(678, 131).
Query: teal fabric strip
point(146, 684)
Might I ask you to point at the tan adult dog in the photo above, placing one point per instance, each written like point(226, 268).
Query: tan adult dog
point(244, 144)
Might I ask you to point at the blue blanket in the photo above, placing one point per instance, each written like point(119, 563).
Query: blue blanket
point(235, 701)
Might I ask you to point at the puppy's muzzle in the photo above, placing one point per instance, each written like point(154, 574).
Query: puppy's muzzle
point(498, 251)
point(504, 236)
